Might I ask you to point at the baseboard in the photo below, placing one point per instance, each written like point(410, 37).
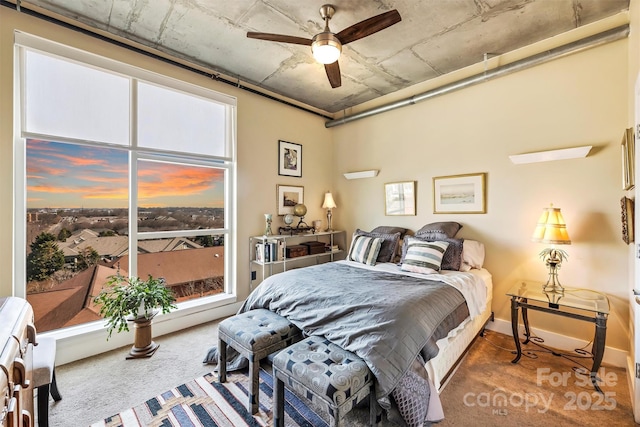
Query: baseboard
point(612, 356)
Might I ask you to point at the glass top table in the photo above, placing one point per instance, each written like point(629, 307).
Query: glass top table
point(575, 303)
point(575, 298)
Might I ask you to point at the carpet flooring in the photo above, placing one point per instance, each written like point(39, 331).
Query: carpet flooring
point(486, 390)
point(537, 391)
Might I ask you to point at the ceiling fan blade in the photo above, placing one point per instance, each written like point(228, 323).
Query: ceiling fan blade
point(369, 26)
point(333, 73)
point(279, 38)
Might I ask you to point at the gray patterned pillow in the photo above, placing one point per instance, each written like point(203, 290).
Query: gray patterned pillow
point(412, 395)
point(439, 230)
point(389, 229)
point(452, 258)
point(389, 244)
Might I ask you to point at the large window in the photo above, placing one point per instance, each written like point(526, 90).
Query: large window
point(125, 172)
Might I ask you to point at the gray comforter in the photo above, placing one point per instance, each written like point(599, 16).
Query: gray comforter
point(386, 319)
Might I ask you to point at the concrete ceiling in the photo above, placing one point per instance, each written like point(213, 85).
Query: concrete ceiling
point(435, 37)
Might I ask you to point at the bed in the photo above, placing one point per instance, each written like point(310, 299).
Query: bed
point(411, 321)
point(453, 346)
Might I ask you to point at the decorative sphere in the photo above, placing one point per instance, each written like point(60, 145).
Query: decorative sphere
point(300, 210)
point(288, 219)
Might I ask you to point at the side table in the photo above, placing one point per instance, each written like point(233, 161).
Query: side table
point(581, 304)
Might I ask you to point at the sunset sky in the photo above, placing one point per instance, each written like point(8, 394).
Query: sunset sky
point(71, 176)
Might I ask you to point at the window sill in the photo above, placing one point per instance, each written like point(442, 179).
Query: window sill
point(78, 342)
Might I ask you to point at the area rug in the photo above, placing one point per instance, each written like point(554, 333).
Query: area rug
point(205, 402)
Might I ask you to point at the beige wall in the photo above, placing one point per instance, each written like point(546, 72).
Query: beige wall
point(261, 123)
point(578, 100)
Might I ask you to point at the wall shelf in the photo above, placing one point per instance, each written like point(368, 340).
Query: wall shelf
point(362, 174)
point(548, 156)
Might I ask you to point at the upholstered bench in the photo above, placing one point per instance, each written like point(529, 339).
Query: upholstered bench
point(254, 334)
point(332, 378)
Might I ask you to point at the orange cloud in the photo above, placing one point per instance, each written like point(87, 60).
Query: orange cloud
point(159, 180)
point(44, 188)
point(123, 180)
point(79, 161)
point(39, 167)
point(112, 195)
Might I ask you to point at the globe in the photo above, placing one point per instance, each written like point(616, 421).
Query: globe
point(288, 219)
point(300, 210)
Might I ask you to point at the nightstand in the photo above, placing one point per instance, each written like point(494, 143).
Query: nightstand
point(581, 304)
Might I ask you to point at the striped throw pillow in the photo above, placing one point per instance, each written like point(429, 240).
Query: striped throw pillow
point(365, 249)
point(424, 257)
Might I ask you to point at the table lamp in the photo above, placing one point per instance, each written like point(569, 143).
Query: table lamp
point(328, 205)
point(551, 229)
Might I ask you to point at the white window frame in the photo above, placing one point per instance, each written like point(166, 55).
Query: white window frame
point(197, 310)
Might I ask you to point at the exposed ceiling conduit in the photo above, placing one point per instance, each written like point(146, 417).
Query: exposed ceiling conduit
point(540, 58)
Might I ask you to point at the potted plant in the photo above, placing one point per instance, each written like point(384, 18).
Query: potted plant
point(125, 300)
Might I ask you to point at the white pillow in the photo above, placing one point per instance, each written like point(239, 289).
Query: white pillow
point(424, 257)
point(365, 249)
point(472, 255)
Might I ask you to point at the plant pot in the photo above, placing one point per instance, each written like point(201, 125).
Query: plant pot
point(143, 344)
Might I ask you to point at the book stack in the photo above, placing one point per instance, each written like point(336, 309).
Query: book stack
point(270, 251)
point(330, 248)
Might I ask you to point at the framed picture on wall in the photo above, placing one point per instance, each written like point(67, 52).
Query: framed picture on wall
point(628, 157)
point(288, 196)
point(400, 198)
point(289, 159)
point(459, 194)
point(628, 216)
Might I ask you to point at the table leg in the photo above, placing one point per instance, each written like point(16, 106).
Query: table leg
point(525, 321)
point(514, 328)
point(598, 348)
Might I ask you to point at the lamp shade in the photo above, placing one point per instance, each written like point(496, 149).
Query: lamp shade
point(328, 201)
point(551, 228)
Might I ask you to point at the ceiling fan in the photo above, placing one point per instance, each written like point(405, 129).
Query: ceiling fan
point(327, 46)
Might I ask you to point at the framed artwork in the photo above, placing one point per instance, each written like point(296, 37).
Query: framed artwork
point(400, 198)
point(289, 159)
point(627, 206)
point(460, 194)
point(628, 158)
point(288, 196)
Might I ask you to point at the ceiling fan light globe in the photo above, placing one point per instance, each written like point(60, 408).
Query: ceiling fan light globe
point(326, 48)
